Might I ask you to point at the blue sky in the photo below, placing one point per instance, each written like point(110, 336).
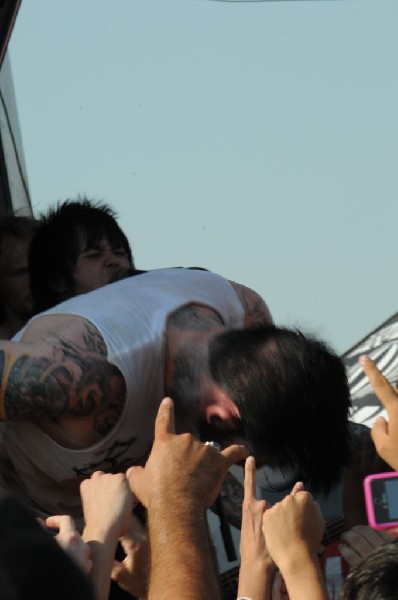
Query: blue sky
point(256, 139)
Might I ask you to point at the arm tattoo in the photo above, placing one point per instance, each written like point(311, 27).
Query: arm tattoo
point(192, 318)
point(256, 311)
point(189, 364)
point(94, 342)
point(75, 380)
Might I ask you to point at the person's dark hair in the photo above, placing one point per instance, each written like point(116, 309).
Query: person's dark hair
point(19, 227)
point(375, 577)
point(57, 244)
point(32, 564)
point(292, 394)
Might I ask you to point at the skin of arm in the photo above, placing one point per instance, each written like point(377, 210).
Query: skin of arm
point(131, 574)
point(257, 569)
point(107, 506)
point(384, 433)
point(293, 530)
point(58, 377)
point(256, 311)
point(180, 481)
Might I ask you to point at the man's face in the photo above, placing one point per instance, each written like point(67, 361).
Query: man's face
point(14, 276)
point(97, 266)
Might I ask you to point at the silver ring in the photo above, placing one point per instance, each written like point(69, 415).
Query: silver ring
point(215, 445)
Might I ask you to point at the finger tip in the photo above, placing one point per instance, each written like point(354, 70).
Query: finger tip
point(364, 359)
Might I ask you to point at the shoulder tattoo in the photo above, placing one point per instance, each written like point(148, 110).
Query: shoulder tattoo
point(195, 318)
point(71, 380)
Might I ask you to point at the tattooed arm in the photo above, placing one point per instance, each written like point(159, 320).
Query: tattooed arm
point(256, 311)
point(188, 332)
point(58, 377)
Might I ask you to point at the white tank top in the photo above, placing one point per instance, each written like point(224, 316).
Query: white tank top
point(131, 316)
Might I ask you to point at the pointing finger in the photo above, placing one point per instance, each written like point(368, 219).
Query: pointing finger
point(165, 418)
point(381, 386)
point(250, 478)
point(298, 487)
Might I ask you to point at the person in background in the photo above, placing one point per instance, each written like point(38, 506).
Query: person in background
point(78, 247)
point(374, 560)
point(375, 577)
point(16, 305)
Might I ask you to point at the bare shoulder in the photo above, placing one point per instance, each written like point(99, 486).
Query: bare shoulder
point(256, 309)
point(49, 329)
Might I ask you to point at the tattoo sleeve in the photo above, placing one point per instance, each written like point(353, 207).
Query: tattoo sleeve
point(189, 364)
point(71, 380)
point(195, 318)
point(191, 326)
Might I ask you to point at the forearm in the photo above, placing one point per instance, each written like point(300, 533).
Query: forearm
point(255, 580)
point(103, 547)
point(181, 555)
point(303, 577)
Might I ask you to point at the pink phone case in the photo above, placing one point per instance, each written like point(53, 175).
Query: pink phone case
point(369, 500)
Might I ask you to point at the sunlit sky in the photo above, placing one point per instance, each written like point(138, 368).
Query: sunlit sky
point(257, 139)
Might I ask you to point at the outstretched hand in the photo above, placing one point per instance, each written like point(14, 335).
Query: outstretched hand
point(292, 525)
point(384, 433)
point(181, 467)
point(257, 567)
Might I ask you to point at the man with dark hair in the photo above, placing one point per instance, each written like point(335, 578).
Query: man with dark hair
point(15, 297)
point(293, 400)
point(78, 247)
point(81, 389)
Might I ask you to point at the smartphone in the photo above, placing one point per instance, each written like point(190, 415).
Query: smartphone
point(381, 499)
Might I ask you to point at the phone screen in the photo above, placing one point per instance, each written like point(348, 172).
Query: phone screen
point(392, 498)
point(385, 499)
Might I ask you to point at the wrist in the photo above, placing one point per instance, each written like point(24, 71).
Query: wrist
point(294, 563)
point(101, 533)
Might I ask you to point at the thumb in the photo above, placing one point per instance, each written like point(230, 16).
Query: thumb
point(234, 454)
point(136, 476)
point(120, 574)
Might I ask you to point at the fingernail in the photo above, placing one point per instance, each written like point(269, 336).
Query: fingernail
point(363, 359)
point(166, 401)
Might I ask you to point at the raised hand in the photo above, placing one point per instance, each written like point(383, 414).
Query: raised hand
point(70, 540)
point(257, 567)
point(181, 467)
point(384, 433)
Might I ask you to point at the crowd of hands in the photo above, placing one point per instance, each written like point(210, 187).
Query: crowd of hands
point(172, 556)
